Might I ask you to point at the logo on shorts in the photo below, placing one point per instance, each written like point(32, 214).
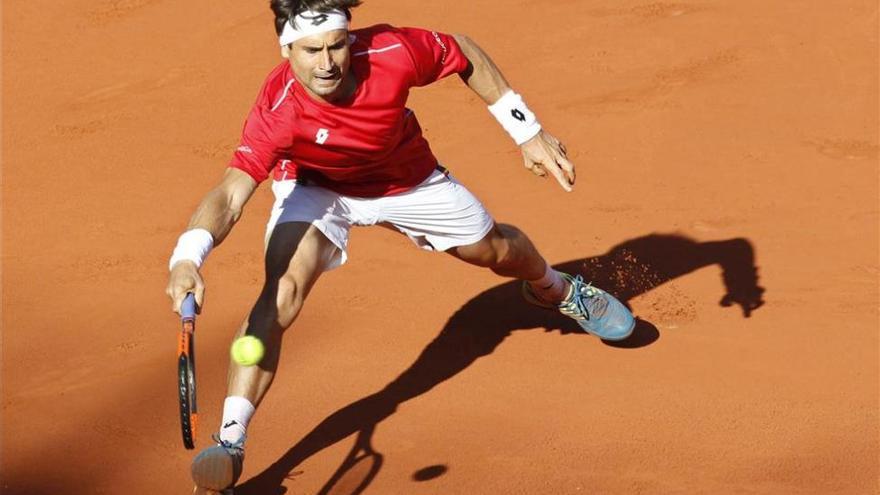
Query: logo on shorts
point(322, 135)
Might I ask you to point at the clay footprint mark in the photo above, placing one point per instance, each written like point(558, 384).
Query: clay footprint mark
point(846, 149)
point(663, 82)
point(125, 90)
point(651, 11)
point(113, 10)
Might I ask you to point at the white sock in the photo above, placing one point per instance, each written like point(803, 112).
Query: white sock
point(551, 287)
point(237, 412)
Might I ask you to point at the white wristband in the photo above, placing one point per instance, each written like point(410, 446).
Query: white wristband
point(516, 118)
point(193, 245)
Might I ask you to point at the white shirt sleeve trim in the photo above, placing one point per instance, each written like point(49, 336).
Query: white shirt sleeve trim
point(283, 95)
point(377, 50)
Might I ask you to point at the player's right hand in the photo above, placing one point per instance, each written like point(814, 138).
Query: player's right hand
point(185, 278)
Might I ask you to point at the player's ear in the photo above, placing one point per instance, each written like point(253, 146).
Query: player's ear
point(285, 51)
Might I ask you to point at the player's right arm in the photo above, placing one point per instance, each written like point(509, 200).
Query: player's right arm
point(218, 212)
point(265, 137)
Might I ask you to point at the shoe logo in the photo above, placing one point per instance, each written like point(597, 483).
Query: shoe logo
point(322, 135)
point(231, 423)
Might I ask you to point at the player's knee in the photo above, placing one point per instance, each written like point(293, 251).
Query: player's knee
point(481, 253)
point(493, 251)
point(509, 233)
point(485, 256)
point(505, 246)
point(289, 299)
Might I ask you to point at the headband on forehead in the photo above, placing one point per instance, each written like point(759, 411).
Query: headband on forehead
point(311, 22)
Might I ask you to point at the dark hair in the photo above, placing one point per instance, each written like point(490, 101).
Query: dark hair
point(286, 10)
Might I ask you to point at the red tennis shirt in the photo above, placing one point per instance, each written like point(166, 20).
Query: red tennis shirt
point(367, 146)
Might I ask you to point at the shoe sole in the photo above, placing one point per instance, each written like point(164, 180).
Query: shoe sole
point(214, 469)
point(197, 490)
point(616, 339)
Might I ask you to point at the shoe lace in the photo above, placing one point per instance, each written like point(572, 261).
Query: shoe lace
point(584, 301)
point(236, 448)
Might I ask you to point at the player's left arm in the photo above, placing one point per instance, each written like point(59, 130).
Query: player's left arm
point(542, 152)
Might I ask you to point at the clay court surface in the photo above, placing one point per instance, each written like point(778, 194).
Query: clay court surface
point(727, 152)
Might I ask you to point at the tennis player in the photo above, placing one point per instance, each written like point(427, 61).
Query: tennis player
point(331, 128)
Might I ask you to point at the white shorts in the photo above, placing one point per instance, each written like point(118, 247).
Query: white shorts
point(436, 215)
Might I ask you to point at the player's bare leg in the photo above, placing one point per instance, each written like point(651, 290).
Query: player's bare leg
point(296, 255)
point(507, 251)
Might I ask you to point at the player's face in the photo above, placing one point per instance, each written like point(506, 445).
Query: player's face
point(320, 63)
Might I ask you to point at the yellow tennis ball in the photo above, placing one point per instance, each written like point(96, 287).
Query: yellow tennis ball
point(247, 350)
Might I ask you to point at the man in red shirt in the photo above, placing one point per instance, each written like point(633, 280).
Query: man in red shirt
point(331, 127)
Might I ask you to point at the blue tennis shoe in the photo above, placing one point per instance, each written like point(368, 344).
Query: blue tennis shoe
point(596, 311)
point(216, 469)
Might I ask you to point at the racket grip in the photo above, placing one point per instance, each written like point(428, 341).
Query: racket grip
point(188, 308)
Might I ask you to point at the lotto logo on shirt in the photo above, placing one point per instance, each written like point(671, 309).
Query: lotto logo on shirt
point(322, 135)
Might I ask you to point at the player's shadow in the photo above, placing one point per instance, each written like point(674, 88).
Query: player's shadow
point(475, 330)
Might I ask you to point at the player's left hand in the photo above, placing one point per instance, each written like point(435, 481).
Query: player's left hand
point(545, 154)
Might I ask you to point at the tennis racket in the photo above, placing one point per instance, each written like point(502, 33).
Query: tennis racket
point(186, 372)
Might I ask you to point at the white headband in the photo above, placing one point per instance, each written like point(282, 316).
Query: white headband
point(310, 22)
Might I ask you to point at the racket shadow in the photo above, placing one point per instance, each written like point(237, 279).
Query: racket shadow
point(478, 328)
point(358, 469)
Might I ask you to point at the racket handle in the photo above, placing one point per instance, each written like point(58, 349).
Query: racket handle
point(188, 308)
